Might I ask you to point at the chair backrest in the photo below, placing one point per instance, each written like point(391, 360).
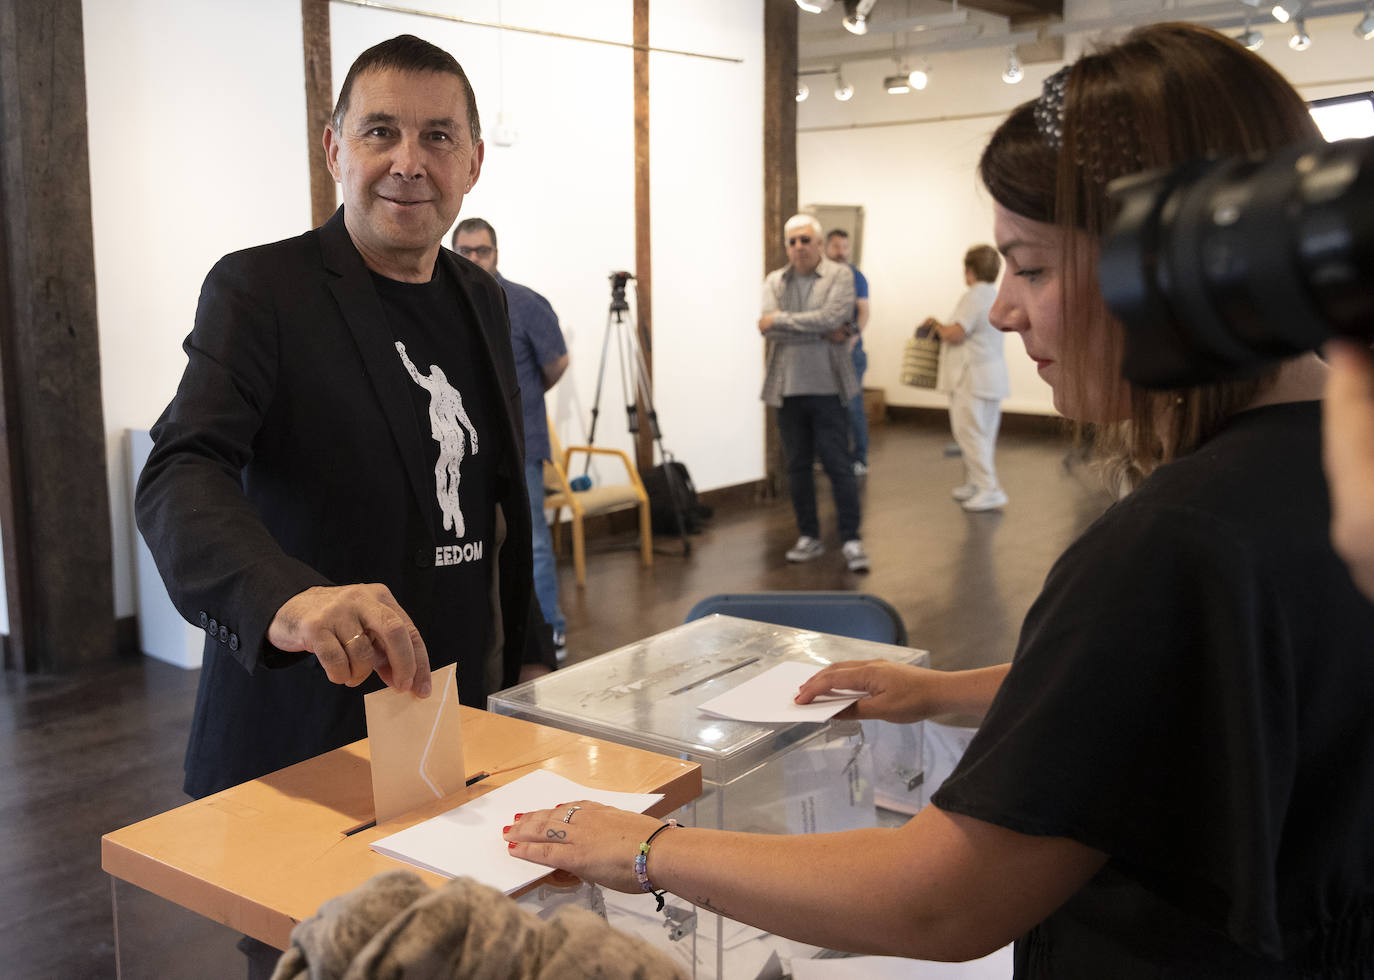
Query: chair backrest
point(552, 483)
point(854, 614)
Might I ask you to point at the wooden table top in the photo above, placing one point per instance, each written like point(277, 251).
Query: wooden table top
point(262, 856)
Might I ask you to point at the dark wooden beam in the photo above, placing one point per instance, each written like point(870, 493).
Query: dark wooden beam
point(779, 174)
point(319, 92)
point(54, 496)
point(644, 293)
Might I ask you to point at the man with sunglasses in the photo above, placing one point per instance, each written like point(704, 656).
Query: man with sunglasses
point(807, 320)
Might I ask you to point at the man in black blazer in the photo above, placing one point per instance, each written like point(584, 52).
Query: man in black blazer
point(336, 490)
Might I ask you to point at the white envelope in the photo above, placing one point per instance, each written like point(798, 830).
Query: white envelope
point(768, 698)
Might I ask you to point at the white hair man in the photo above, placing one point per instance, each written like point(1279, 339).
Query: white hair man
point(807, 320)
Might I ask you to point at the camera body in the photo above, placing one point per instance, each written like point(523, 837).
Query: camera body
point(618, 283)
point(1217, 268)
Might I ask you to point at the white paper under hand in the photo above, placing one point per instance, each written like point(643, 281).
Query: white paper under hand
point(467, 839)
point(768, 698)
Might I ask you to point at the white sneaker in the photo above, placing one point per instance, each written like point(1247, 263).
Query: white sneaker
point(991, 499)
point(805, 549)
point(854, 555)
point(963, 492)
point(860, 469)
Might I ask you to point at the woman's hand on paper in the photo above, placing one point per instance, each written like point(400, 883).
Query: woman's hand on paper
point(895, 692)
point(598, 844)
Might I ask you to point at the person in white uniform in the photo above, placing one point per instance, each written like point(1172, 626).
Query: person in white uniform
point(974, 371)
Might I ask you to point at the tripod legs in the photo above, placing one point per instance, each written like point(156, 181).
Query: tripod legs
point(634, 379)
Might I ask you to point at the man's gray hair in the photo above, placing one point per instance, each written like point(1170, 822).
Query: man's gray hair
point(801, 221)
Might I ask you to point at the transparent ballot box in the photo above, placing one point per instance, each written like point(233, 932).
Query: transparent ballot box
point(768, 778)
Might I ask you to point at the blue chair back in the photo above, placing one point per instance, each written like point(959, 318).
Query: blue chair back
point(853, 614)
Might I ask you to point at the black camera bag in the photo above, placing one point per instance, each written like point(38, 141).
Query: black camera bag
point(661, 487)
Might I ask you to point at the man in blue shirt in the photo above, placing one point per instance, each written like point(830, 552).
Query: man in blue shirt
point(837, 250)
point(541, 357)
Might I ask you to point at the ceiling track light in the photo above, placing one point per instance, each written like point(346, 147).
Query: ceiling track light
point(843, 92)
point(918, 78)
point(1250, 39)
point(1301, 40)
point(802, 91)
point(856, 14)
point(1013, 73)
point(815, 6)
point(897, 84)
point(1286, 10)
point(1364, 30)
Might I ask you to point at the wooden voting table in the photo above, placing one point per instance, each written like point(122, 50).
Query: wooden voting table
point(262, 856)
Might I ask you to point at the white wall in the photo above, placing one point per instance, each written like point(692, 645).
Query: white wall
point(706, 135)
point(909, 161)
point(196, 117)
point(195, 114)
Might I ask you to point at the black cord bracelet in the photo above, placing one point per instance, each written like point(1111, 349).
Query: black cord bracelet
point(641, 864)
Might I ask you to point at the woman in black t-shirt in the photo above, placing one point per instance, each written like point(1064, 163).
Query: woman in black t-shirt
point(1175, 775)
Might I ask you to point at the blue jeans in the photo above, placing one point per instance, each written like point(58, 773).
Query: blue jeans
point(858, 421)
point(814, 426)
point(545, 573)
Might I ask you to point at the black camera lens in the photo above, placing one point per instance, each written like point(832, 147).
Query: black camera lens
point(1218, 268)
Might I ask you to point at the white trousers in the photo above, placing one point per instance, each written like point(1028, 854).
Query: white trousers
point(974, 422)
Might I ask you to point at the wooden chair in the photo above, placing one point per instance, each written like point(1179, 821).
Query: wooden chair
point(597, 500)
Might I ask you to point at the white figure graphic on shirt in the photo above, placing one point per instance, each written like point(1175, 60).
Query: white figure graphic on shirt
point(447, 422)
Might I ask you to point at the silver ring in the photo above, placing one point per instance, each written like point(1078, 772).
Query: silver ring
point(355, 636)
point(571, 811)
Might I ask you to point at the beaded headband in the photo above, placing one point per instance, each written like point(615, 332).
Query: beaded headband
point(1049, 108)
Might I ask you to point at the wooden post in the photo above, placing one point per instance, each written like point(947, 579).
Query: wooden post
point(54, 490)
point(779, 177)
point(644, 445)
point(319, 92)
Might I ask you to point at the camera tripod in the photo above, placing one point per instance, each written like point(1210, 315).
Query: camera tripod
point(634, 379)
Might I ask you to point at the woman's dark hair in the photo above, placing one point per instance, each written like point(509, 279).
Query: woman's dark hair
point(1165, 94)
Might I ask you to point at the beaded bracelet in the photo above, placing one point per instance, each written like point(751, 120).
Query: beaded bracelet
point(642, 863)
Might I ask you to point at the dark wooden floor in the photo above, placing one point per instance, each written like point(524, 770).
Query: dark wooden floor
point(80, 756)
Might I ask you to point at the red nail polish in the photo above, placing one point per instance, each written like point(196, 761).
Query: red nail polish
point(511, 844)
point(505, 830)
point(517, 816)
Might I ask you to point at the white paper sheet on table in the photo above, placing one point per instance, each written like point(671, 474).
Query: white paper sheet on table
point(768, 698)
point(467, 839)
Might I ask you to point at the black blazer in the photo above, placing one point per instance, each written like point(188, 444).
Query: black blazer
point(291, 457)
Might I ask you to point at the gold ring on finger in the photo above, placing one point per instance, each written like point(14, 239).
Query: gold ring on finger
point(571, 811)
point(355, 636)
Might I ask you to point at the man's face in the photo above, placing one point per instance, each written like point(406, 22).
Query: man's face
point(837, 248)
point(405, 157)
point(476, 245)
point(804, 249)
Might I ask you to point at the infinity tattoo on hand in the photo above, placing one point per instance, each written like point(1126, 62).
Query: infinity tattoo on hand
point(552, 834)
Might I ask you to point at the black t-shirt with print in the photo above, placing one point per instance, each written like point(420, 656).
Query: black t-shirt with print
point(443, 355)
